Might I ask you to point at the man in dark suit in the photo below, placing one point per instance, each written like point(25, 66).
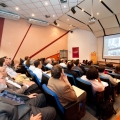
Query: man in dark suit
point(20, 107)
point(70, 66)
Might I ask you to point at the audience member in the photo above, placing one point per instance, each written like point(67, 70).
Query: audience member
point(49, 63)
point(62, 63)
point(65, 92)
point(32, 67)
point(26, 57)
point(101, 72)
point(93, 77)
point(70, 70)
point(17, 106)
point(77, 63)
point(117, 69)
point(37, 70)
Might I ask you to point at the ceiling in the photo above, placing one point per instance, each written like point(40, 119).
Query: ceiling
point(106, 12)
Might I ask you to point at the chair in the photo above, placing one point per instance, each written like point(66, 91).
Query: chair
point(71, 79)
point(111, 89)
point(92, 97)
point(78, 72)
point(35, 78)
point(115, 75)
point(45, 78)
point(47, 68)
point(108, 70)
point(68, 112)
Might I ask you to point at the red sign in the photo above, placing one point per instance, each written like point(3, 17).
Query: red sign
point(75, 52)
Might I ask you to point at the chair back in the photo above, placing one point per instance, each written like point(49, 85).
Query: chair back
point(45, 78)
point(35, 78)
point(71, 79)
point(78, 72)
point(47, 68)
point(87, 86)
point(115, 75)
point(53, 100)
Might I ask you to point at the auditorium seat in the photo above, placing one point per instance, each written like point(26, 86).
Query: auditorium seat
point(69, 112)
point(71, 79)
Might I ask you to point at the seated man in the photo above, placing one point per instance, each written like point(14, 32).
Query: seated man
point(62, 63)
point(37, 70)
point(49, 63)
point(70, 70)
point(77, 63)
point(101, 72)
point(32, 67)
point(65, 92)
point(17, 106)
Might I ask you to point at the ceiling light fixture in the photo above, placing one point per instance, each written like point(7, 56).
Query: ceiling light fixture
point(53, 15)
point(58, 25)
point(33, 15)
point(55, 22)
point(64, 6)
point(46, 3)
point(97, 13)
point(73, 10)
point(82, 10)
point(17, 8)
point(70, 25)
point(100, 0)
point(67, 19)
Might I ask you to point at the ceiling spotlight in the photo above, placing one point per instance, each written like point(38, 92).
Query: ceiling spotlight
point(58, 25)
point(55, 22)
point(82, 10)
point(73, 10)
point(100, 0)
point(53, 15)
point(67, 19)
point(33, 15)
point(64, 6)
point(70, 25)
point(97, 13)
point(46, 3)
point(17, 8)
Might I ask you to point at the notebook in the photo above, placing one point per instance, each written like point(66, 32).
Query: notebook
point(78, 91)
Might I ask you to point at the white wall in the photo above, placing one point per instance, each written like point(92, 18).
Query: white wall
point(85, 40)
point(100, 48)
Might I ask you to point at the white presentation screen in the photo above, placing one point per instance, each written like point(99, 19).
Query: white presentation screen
point(111, 47)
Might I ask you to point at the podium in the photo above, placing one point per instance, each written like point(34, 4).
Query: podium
point(94, 57)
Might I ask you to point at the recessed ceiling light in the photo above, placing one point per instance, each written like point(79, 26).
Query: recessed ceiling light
point(9, 43)
point(53, 15)
point(69, 29)
point(82, 10)
point(17, 8)
point(97, 13)
point(64, 6)
point(33, 15)
point(100, 0)
point(46, 3)
point(57, 24)
point(67, 19)
point(70, 25)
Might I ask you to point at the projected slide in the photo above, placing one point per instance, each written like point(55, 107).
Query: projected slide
point(112, 47)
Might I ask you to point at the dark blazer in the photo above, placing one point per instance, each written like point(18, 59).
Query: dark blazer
point(11, 110)
point(71, 72)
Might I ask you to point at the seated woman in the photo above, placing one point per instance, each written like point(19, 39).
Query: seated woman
point(93, 77)
point(65, 92)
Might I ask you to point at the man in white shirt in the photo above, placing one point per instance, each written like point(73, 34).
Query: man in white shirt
point(49, 63)
point(37, 71)
point(32, 67)
point(62, 63)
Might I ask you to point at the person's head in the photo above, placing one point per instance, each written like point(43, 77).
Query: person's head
point(109, 64)
point(101, 68)
point(70, 65)
point(92, 73)
point(89, 63)
point(56, 71)
point(26, 57)
point(55, 63)
point(32, 62)
point(2, 82)
point(117, 69)
point(38, 64)
point(49, 61)
point(2, 60)
point(77, 63)
point(86, 62)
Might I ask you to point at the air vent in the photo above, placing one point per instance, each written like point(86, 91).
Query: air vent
point(38, 22)
point(9, 15)
point(63, 1)
point(3, 5)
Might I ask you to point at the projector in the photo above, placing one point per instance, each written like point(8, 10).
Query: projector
point(91, 20)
